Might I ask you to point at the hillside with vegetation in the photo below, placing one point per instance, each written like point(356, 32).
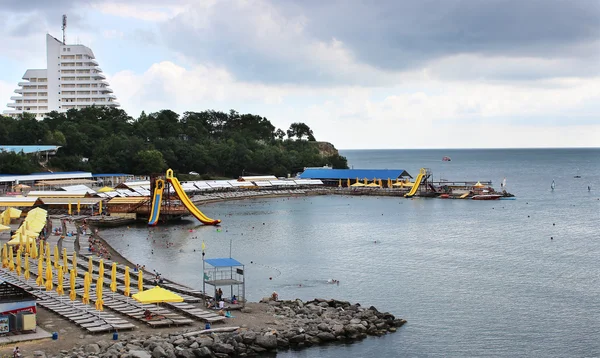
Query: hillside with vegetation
point(211, 143)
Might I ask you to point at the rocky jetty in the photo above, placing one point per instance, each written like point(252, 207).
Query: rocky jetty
point(295, 325)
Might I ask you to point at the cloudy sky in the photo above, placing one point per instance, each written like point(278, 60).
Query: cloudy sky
point(362, 74)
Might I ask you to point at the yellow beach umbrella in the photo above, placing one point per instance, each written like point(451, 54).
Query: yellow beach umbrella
point(140, 281)
point(72, 294)
point(4, 228)
point(69, 206)
point(5, 256)
point(86, 288)
point(47, 251)
point(21, 242)
point(59, 288)
point(339, 183)
point(105, 189)
point(40, 275)
point(56, 257)
point(78, 206)
point(99, 301)
point(157, 295)
point(101, 268)
point(127, 282)
point(100, 207)
point(65, 262)
point(18, 267)
point(113, 277)
point(34, 250)
point(26, 267)
point(365, 181)
point(357, 180)
point(11, 263)
point(348, 182)
point(41, 253)
point(49, 284)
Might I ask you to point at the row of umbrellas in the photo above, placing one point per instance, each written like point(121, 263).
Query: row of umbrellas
point(375, 183)
point(45, 279)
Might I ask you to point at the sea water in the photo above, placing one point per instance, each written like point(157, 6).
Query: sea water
point(472, 278)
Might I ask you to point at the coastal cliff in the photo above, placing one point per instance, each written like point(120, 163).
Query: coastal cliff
point(326, 149)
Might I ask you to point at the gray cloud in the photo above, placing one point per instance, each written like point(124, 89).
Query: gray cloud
point(388, 35)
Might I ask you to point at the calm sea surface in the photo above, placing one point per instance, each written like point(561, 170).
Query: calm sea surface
point(473, 278)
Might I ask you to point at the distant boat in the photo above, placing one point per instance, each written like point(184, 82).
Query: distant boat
point(553, 185)
point(577, 176)
point(446, 159)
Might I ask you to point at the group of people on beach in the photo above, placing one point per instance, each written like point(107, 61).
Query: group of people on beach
point(98, 248)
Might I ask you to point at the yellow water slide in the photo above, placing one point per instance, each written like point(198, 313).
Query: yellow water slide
point(156, 202)
point(187, 202)
point(418, 180)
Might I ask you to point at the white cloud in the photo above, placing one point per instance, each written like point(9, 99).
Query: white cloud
point(141, 11)
point(422, 114)
point(112, 34)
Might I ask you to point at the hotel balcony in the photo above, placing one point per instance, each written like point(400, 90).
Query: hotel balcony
point(16, 98)
point(98, 75)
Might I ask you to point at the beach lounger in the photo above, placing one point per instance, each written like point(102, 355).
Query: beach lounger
point(100, 329)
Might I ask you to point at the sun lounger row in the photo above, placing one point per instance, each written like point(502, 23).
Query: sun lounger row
point(82, 315)
point(133, 309)
point(196, 312)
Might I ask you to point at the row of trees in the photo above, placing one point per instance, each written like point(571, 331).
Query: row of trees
point(216, 144)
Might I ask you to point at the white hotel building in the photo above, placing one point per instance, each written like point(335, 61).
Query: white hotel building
point(72, 80)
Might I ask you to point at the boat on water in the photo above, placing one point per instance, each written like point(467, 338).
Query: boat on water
point(486, 197)
point(446, 159)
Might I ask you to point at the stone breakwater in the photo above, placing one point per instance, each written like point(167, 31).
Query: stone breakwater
point(295, 325)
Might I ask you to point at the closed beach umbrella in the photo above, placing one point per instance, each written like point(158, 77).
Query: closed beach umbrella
point(72, 294)
point(59, 288)
point(348, 183)
point(21, 242)
point(78, 206)
point(18, 267)
point(65, 262)
point(11, 263)
point(56, 257)
point(40, 279)
point(99, 301)
point(34, 250)
point(86, 288)
point(47, 251)
point(101, 268)
point(127, 282)
point(339, 183)
point(27, 267)
point(41, 253)
point(5, 256)
point(113, 277)
point(365, 181)
point(49, 284)
point(140, 281)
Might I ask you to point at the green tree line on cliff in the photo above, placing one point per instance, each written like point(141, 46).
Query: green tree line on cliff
point(211, 143)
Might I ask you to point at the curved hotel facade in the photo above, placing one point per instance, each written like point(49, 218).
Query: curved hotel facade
point(72, 79)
